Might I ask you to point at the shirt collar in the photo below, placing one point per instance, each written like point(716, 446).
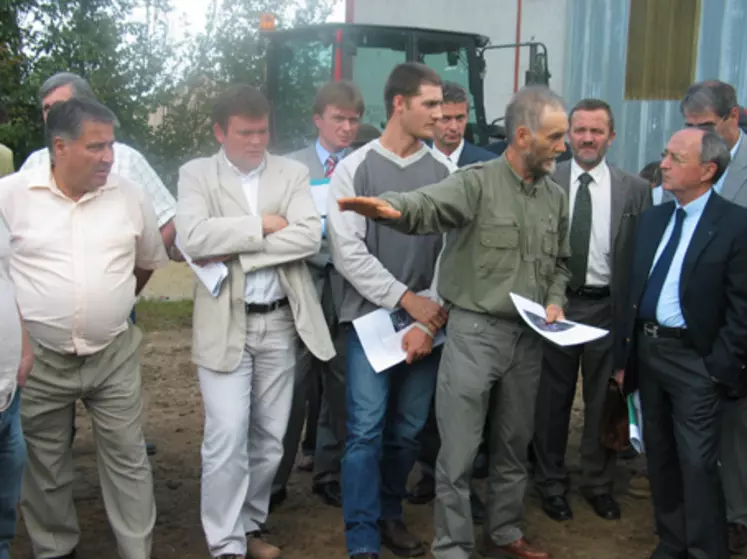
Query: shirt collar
point(597, 173)
point(734, 150)
point(254, 173)
point(42, 177)
point(323, 154)
point(455, 155)
point(529, 188)
point(696, 207)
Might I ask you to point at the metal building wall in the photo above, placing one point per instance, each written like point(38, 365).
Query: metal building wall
point(597, 34)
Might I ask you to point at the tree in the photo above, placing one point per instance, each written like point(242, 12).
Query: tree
point(123, 59)
point(228, 51)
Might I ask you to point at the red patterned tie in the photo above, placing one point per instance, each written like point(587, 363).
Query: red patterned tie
point(329, 166)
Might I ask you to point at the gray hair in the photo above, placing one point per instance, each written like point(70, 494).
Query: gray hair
point(65, 120)
point(81, 88)
point(526, 107)
point(709, 96)
point(455, 93)
point(713, 149)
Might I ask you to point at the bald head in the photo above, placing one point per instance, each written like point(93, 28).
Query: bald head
point(694, 160)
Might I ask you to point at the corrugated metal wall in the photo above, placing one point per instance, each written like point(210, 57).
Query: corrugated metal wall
point(597, 32)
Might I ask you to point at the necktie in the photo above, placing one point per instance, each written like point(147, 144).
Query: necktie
point(580, 233)
point(655, 283)
point(329, 166)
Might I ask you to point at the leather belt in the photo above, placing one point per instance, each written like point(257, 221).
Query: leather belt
point(653, 330)
point(255, 308)
point(591, 291)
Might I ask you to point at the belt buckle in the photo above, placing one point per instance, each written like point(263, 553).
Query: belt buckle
point(651, 330)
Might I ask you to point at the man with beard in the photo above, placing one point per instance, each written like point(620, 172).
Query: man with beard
point(605, 204)
point(507, 225)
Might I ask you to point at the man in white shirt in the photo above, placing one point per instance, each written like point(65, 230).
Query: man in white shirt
point(84, 243)
point(128, 162)
point(254, 212)
point(16, 360)
point(604, 205)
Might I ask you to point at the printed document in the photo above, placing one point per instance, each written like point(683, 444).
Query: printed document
point(381, 333)
point(211, 275)
point(561, 332)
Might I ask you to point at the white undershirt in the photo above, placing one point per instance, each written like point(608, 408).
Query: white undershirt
point(598, 266)
point(263, 286)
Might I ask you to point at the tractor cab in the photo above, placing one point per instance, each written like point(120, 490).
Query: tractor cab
point(300, 60)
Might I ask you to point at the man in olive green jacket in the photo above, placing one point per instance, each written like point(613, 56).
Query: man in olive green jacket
point(507, 225)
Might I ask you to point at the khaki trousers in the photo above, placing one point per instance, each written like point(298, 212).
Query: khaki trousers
point(108, 383)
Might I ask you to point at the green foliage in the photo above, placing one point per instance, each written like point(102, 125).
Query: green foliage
point(124, 49)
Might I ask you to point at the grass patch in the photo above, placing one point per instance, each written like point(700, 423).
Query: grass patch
point(154, 316)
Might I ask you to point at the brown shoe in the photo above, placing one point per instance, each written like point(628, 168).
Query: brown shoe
point(737, 538)
point(257, 548)
point(520, 549)
point(396, 536)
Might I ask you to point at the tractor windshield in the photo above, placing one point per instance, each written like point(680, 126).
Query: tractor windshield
point(303, 60)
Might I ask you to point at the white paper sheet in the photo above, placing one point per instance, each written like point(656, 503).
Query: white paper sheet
point(381, 333)
point(319, 193)
point(562, 332)
point(211, 275)
point(635, 417)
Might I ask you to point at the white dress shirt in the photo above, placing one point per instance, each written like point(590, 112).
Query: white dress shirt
point(130, 164)
point(600, 189)
point(455, 155)
point(263, 286)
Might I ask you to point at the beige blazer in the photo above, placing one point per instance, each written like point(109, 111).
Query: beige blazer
point(213, 219)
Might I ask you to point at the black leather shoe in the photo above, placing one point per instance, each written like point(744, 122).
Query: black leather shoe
point(737, 538)
point(396, 536)
point(277, 498)
point(424, 491)
point(364, 556)
point(557, 508)
point(330, 493)
point(478, 508)
point(605, 506)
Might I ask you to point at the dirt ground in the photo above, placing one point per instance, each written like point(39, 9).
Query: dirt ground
point(304, 527)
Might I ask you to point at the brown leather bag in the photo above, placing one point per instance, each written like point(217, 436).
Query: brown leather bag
point(615, 431)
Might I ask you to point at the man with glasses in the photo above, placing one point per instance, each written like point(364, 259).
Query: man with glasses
point(713, 105)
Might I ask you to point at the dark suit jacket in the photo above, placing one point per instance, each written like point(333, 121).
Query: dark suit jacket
point(631, 196)
point(473, 154)
point(713, 291)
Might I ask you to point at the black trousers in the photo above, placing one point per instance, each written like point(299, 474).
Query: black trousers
point(682, 412)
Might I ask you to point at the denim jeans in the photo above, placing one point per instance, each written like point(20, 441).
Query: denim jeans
point(12, 463)
point(386, 412)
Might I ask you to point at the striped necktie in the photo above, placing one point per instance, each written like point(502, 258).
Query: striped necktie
point(329, 166)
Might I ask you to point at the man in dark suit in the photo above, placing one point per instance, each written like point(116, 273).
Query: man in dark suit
point(713, 105)
point(605, 203)
point(684, 342)
point(319, 393)
point(448, 138)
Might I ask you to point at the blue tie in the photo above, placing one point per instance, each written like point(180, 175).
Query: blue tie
point(650, 298)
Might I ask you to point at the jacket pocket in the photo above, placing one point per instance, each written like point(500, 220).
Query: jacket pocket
point(498, 248)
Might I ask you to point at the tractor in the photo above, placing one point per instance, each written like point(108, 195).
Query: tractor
point(298, 61)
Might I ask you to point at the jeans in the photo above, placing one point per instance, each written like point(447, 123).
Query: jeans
point(385, 414)
point(12, 463)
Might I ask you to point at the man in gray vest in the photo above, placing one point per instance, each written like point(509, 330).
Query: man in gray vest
point(605, 203)
point(713, 105)
point(319, 394)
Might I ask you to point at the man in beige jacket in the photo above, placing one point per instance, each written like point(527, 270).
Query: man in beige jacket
point(253, 212)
